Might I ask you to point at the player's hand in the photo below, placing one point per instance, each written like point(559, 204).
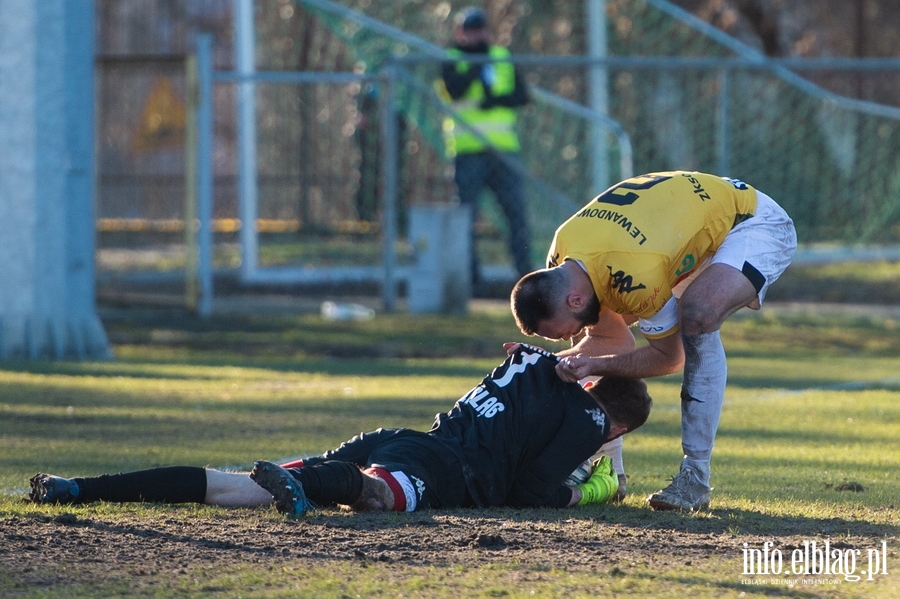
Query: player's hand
point(572, 369)
point(511, 347)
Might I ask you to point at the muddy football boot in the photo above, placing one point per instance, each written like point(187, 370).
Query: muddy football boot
point(46, 488)
point(290, 499)
point(686, 493)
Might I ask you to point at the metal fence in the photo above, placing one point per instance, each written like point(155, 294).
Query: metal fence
point(310, 234)
point(689, 97)
point(685, 95)
point(423, 174)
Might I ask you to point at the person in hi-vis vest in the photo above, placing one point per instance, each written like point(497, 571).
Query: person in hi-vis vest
point(484, 98)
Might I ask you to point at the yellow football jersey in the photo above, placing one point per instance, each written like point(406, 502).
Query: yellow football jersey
point(639, 238)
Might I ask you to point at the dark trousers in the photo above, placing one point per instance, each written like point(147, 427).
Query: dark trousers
point(476, 171)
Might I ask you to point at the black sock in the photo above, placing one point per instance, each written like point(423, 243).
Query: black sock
point(172, 484)
point(331, 482)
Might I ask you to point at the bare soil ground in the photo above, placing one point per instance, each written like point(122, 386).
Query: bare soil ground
point(45, 551)
point(151, 546)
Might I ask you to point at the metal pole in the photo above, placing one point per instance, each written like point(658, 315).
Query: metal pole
point(245, 60)
point(204, 173)
point(598, 95)
point(722, 134)
point(389, 167)
point(191, 275)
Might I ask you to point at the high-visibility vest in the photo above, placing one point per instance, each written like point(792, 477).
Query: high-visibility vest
point(497, 124)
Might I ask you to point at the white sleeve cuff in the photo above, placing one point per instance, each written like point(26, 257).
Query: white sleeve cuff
point(662, 322)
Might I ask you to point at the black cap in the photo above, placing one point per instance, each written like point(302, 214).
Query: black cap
point(471, 18)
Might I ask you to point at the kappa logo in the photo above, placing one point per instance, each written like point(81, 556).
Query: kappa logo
point(623, 283)
point(420, 485)
point(598, 415)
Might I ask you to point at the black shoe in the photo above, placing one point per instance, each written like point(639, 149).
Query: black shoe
point(290, 498)
point(46, 488)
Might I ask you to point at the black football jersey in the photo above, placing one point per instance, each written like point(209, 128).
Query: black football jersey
point(522, 431)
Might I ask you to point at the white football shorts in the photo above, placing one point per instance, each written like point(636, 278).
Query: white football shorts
point(761, 247)
point(766, 242)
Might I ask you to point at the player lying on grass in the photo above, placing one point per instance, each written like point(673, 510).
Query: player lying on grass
point(512, 440)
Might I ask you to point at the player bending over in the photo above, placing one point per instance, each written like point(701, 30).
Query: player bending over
point(512, 440)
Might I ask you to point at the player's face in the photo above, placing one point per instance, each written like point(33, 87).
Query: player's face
point(567, 324)
point(560, 327)
point(469, 38)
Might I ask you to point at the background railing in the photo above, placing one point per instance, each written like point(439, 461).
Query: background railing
point(680, 93)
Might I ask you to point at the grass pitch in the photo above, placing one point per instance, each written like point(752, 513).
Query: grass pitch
point(807, 452)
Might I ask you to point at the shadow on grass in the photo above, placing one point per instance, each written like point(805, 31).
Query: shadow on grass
point(156, 368)
point(150, 533)
point(775, 384)
point(739, 590)
point(386, 336)
point(739, 522)
point(759, 437)
point(731, 523)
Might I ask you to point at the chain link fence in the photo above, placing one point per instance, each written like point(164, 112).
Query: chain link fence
point(687, 96)
point(697, 100)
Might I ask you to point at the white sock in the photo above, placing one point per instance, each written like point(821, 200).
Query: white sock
point(613, 449)
point(702, 394)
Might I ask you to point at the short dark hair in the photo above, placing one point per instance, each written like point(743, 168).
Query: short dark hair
point(533, 299)
point(625, 400)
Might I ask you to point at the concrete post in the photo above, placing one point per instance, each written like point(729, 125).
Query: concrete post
point(47, 301)
point(440, 280)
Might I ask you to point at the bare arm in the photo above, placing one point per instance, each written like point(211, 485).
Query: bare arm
point(610, 335)
point(659, 357)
